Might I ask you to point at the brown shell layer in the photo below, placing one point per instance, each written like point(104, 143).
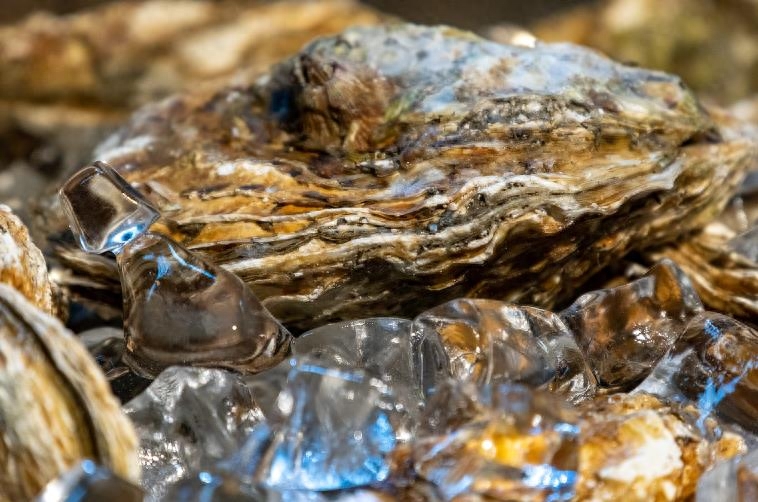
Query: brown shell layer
point(66, 81)
point(634, 448)
point(56, 407)
point(21, 262)
point(389, 169)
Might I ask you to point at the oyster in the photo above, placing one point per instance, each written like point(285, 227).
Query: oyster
point(65, 81)
point(709, 43)
point(55, 405)
point(21, 262)
point(388, 169)
point(634, 448)
point(718, 259)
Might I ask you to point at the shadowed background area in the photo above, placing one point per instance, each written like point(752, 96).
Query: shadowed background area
point(462, 14)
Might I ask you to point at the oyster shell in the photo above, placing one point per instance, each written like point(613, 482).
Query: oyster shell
point(66, 81)
point(709, 43)
point(634, 448)
point(21, 262)
point(388, 169)
point(55, 405)
point(725, 277)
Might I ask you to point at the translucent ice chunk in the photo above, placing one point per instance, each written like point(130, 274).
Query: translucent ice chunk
point(339, 428)
point(510, 443)
point(266, 387)
point(714, 365)
point(182, 310)
point(624, 331)
point(88, 482)
point(178, 308)
point(212, 487)
point(104, 211)
point(383, 348)
point(187, 420)
point(106, 344)
point(735, 480)
point(221, 487)
point(494, 342)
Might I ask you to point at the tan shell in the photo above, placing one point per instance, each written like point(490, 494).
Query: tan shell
point(390, 169)
point(21, 262)
point(725, 281)
point(56, 407)
point(66, 80)
point(633, 448)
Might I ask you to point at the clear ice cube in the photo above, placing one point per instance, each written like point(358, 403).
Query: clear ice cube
point(339, 428)
point(104, 211)
point(734, 480)
point(181, 310)
point(488, 341)
point(714, 365)
point(88, 482)
point(625, 331)
point(510, 443)
point(384, 348)
point(107, 346)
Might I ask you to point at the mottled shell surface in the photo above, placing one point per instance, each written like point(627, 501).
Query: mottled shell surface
point(67, 80)
point(21, 262)
point(389, 169)
point(56, 407)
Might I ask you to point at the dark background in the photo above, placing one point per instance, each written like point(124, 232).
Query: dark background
point(461, 13)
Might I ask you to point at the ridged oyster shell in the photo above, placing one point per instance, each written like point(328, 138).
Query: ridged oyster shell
point(56, 407)
point(68, 80)
point(21, 262)
point(389, 169)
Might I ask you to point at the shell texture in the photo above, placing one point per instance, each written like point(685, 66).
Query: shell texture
point(56, 407)
point(388, 169)
point(21, 262)
point(635, 448)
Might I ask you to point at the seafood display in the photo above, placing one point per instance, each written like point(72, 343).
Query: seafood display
point(468, 168)
point(311, 252)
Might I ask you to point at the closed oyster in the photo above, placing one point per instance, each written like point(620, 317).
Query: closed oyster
point(66, 81)
point(21, 262)
point(55, 405)
point(388, 169)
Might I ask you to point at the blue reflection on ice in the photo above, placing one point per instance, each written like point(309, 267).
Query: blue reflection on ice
point(337, 435)
point(559, 484)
